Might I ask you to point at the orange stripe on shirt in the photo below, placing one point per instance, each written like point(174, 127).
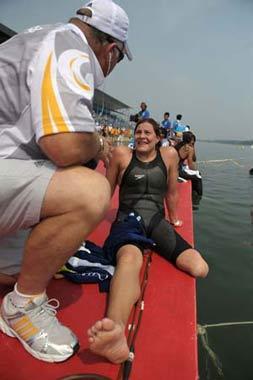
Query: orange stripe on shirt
point(50, 108)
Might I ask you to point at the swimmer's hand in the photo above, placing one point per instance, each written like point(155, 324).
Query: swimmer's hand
point(177, 223)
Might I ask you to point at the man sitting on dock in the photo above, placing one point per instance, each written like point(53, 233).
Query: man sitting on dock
point(146, 176)
point(47, 76)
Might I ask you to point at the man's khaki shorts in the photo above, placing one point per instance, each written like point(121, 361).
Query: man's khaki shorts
point(23, 185)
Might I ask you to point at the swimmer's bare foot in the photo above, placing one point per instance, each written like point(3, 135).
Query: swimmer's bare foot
point(107, 339)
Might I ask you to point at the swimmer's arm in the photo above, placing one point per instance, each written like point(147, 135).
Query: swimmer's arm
point(171, 198)
point(191, 160)
point(113, 170)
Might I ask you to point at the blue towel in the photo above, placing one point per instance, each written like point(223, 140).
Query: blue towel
point(130, 230)
point(89, 265)
point(93, 264)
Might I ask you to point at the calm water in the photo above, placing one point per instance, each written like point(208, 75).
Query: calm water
point(223, 233)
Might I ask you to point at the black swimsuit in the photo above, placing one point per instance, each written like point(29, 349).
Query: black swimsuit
point(143, 188)
point(142, 191)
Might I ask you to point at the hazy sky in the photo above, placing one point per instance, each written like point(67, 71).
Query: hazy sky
point(192, 57)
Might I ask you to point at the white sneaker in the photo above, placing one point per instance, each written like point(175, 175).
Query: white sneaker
point(38, 329)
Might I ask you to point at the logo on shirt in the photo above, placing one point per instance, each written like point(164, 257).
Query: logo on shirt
point(33, 29)
point(139, 176)
point(39, 163)
point(70, 65)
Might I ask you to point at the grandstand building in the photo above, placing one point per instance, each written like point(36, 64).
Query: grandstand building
point(107, 110)
point(111, 111)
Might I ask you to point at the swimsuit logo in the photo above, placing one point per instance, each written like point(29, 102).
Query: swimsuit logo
point(139, 176)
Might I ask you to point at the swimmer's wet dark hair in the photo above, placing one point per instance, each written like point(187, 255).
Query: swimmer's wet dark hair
point(188, 137)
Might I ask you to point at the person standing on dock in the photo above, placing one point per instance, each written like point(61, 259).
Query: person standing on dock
point(47, 79)
point(178, 127)
point(143, 113)
point(147, 176)
point(166, 124)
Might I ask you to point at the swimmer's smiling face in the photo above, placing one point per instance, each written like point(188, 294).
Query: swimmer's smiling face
point(145, 137)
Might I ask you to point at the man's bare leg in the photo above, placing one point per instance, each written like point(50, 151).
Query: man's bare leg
point(75, 202)
point(192, 262)
point(107, 336)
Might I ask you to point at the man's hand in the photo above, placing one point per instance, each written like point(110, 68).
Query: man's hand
point(105, 152)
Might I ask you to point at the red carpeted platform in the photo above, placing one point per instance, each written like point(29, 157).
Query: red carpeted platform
point(166, 343)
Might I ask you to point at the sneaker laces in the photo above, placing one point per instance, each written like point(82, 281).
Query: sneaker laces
point(47, 311)
point(51, 306)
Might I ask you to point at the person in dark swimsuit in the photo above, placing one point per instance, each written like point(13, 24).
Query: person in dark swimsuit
point(142, 191)
point(147, 176)
point(186, 153)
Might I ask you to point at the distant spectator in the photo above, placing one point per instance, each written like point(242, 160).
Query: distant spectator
point(163, 138)
point(166, 123)
point(178, 128)
point(144, 113)
point(186, 149)
point(189, 138)
point(176, 122)
point(187, 162)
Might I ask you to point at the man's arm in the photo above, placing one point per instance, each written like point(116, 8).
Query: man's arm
point(73, 148)
point(61, 100)
point(171, 198)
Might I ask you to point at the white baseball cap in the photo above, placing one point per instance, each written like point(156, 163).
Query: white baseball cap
point(108, 17)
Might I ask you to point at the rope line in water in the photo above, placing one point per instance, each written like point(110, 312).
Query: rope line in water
point(212, 355)
point(202, 332)
point(224, 324)
point(234, 161)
